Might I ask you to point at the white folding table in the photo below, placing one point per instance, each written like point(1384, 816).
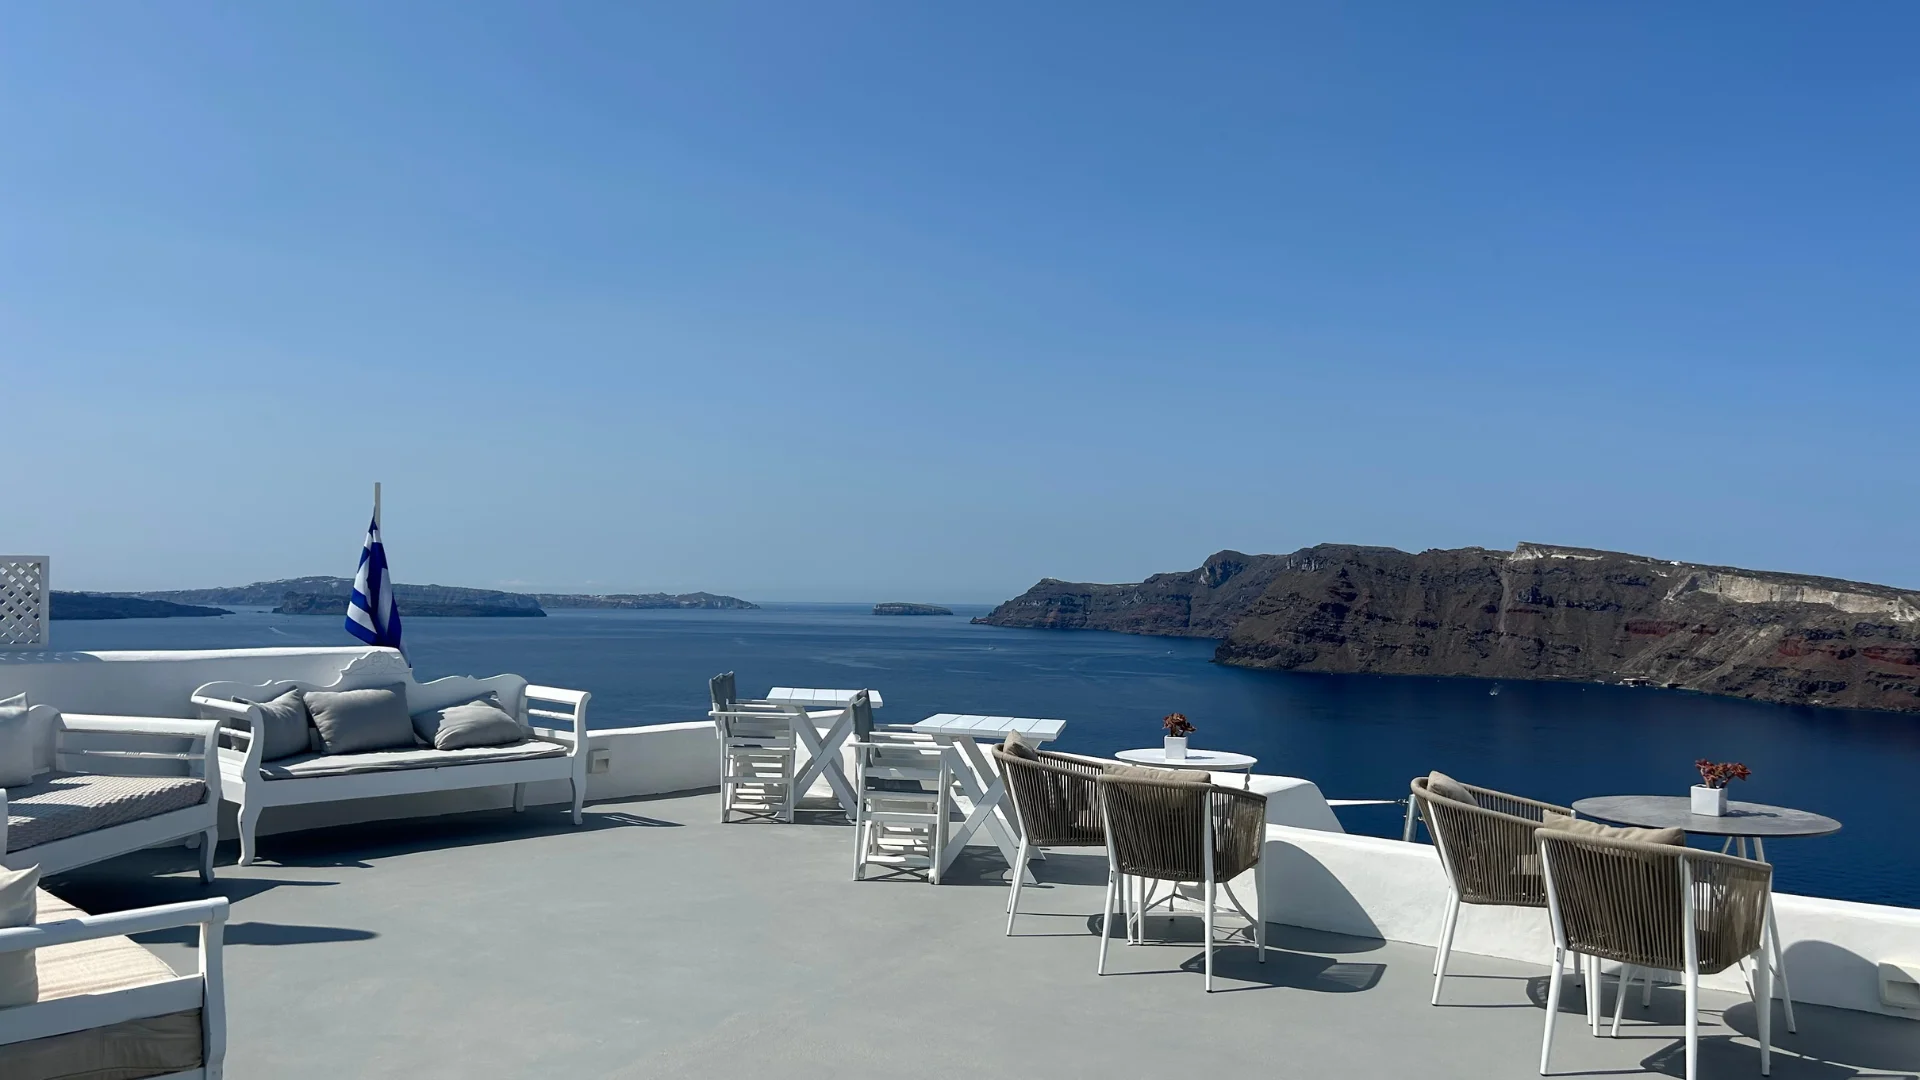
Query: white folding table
point(823, 750)
point(979, 781)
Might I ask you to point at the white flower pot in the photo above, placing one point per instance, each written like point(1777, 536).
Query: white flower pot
point(1710, 801)
point(1176, 748)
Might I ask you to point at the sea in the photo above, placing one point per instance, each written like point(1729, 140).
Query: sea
point(1356, 736)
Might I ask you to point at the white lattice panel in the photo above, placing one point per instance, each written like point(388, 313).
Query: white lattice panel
point(23, 601)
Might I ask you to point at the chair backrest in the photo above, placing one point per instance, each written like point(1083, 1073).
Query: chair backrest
point(1627, 901)
point(1159, 828)
point(862, 708)
point(721, 689)
point(1057, 798)
point(884, 756)
point(1487, 846)
point(755, 728)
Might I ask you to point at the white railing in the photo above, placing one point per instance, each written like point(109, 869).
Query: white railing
point(23, 601)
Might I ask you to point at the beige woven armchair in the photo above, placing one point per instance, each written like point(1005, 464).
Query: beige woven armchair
point(1182, 831)
point(1655, 907)
point(1057, 800)
point(1488, 850)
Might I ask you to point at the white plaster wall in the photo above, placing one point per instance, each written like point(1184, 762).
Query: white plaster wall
point(1369, 887)
point(157, 683)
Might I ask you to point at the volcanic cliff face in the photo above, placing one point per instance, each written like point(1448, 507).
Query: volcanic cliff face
point(1537, 612)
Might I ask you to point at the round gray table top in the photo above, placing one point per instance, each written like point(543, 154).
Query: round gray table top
point(1676, 812)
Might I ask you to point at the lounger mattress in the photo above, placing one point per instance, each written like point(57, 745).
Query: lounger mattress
point(64, 805)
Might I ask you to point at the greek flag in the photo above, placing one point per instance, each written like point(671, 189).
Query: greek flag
point(372, 615)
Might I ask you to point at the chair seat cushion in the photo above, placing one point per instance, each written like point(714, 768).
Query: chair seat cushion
point(1580, 827)
point(1145, 772)
point(62, 805)
point(311, 765)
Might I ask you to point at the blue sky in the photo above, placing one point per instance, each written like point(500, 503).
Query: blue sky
point(883, 301)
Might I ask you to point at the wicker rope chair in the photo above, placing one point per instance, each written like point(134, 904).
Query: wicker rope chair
point(1056, 799)
point(1488, 851)
point(1182, 831)
point(1656, 907)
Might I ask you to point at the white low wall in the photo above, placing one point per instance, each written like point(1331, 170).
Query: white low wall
point(158, 683)
point(1369, 887)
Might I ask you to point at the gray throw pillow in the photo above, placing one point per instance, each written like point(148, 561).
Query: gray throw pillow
point(285, 727)
point(480, 722)
point(16, 743)
point(355, 721)
point(19, 976)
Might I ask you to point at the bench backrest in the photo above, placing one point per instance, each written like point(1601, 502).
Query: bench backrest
point(511, 689)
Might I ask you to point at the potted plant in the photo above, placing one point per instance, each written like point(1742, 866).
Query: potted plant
point(1710, 794)
point(1178, 728)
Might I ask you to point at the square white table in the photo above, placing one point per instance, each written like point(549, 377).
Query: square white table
point(979, 781)
point(823, 751)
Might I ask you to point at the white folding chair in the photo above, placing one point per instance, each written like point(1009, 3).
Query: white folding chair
point(756, 763)
point(903, 800)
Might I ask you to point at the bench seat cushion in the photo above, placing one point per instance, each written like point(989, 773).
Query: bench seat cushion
point(307, 766)
point(63, 805)
point(149, 1046)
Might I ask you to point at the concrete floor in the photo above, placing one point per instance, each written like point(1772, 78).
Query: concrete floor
point(654, 942)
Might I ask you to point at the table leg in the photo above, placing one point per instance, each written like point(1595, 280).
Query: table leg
point(824, 757)
point(1774, 952)
point(986, 789)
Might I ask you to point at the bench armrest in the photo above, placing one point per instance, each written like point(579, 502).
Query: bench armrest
point(237, 720)
point(211, 912)
point(574, 719)
point(178, 727)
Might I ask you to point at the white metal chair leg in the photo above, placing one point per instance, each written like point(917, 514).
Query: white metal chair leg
point(1646, 989)
point(1209, 923)
point(1693, 1023)
point(519, 798)
point(1763, 1005)
point(1620, 988)
point(1106, 920)
point(1013, 898)
point(1553, 1006)
point(1446, 917)
point(1260, 905)
point(1446, 946)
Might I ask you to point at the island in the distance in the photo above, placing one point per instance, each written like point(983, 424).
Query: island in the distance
point(911, 609)
point(328, 596)
point(84, 605)
point(1540, 611)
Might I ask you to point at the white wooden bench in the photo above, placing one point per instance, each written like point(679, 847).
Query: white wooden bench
point(119, 784)
point(108, 1005)
point(555, 747)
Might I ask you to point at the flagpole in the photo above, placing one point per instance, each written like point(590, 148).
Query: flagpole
point(376, 504)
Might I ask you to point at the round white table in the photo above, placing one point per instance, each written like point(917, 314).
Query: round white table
point(1203, 760)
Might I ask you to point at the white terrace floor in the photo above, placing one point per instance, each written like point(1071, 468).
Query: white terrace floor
point(655, 942)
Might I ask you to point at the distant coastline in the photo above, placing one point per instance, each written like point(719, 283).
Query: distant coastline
point(328, 596)
point(82, 605)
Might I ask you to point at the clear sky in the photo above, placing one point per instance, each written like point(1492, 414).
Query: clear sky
point(928, 301)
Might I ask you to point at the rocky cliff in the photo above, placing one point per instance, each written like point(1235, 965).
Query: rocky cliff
point(1537, 612)
point(911, 609)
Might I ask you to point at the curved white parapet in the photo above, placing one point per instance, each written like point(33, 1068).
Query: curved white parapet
point(1365, 886)
point(1290, 800)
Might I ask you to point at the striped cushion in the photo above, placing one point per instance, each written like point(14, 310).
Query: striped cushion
point(63, 805)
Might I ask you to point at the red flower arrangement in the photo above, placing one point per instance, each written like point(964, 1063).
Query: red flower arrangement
point(1720, 774)
point(1177, 725)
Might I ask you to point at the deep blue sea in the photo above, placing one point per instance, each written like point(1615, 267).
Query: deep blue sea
point(1357, 736)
